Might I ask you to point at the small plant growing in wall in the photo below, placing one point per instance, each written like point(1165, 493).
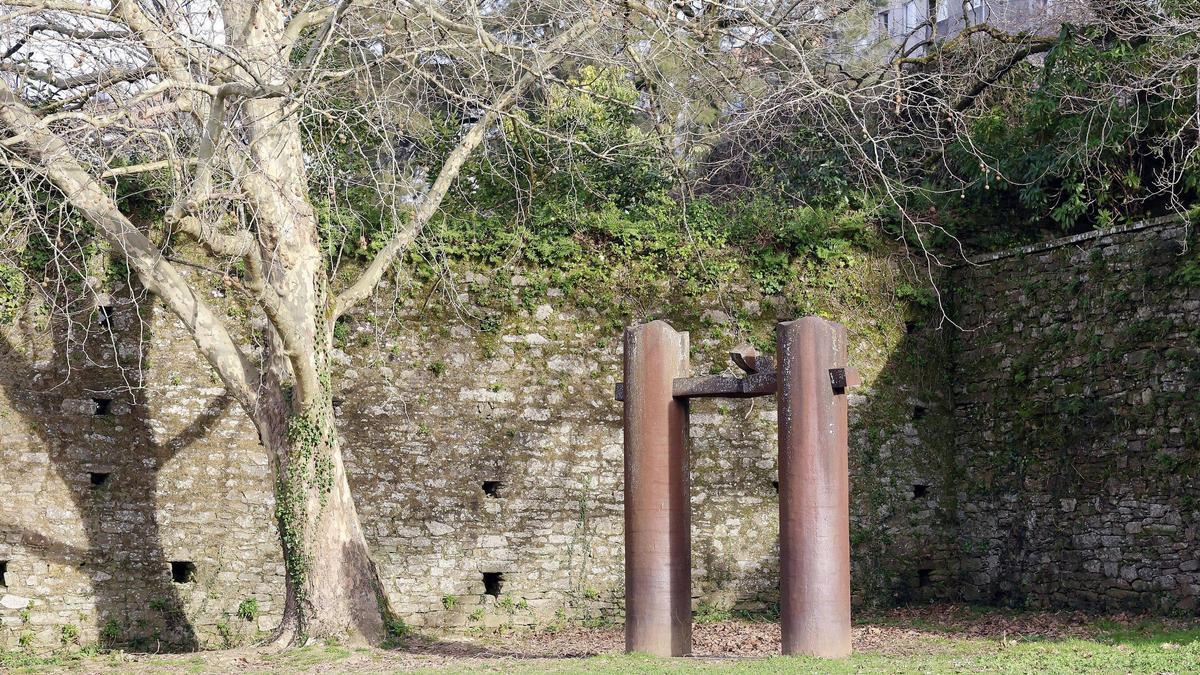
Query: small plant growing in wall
point(477, 615)
point(507, 604)
point(111, 632)
point(25, 641)
point(590, 593)
point(709, 613)
point(449, 602)
point(226, 632)
point(560, 620)
point(248, 609)
point(69, 634)
point(437, 368)
point(395, 630)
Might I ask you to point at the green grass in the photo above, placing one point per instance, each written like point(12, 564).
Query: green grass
point(941, 655)
point(923, 646)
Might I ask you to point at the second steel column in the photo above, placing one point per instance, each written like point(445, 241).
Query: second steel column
point(814, 490)
point(658, 561)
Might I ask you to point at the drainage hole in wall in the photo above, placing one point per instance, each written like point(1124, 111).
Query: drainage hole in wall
point(493, 583)
point(910, 327)
point(98, 478)
point(775, 484)
point(3, 574)
point(492, 488)
point(918, 412)
point(920, 490)
point(103, 406)
point(183, 571)
point(923, 577)
point(106, 312)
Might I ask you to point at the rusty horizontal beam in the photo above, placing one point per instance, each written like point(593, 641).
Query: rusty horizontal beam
point(758, 384)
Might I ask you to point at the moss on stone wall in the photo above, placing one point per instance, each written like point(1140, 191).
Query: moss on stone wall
point(1080, 383)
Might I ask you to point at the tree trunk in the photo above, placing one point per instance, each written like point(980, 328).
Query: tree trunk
point(333, 587)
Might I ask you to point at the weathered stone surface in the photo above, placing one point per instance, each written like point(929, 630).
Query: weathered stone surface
point(1076, 409)
point(1047, 457)
point(8, 601)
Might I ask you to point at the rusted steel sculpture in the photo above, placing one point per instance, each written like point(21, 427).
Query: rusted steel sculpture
point(811, 378)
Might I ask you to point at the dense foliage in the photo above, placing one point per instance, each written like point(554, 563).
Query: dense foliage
point(609, 230)
point(575, 191)
point(1068, 151)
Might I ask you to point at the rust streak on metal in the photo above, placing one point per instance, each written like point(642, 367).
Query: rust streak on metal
point(814, 508)
point(658, 595)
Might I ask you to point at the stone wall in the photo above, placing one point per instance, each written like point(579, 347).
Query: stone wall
point(1047, 456)
point(1076, 401)
point(474, 455)
point(115, 487)
point(486, 466)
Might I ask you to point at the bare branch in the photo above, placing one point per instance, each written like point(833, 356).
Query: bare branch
point(431, 201)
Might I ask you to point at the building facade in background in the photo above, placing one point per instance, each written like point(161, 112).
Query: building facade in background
point(908, 25)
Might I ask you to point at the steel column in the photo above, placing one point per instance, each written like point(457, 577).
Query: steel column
point(814, 490)
point(658, 616)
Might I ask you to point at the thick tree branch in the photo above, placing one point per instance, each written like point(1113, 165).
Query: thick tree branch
point(327, 15)
point(144, 167)
point(981, 84)
point(51, 156)
point(158, 42)
point(99, 79)
point(1033, 41)
point(180, 212)
point(63, 6)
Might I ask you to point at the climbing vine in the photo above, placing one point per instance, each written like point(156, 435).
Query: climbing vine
point(309, 468)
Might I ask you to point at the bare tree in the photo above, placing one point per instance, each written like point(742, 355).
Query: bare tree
point(239, 109)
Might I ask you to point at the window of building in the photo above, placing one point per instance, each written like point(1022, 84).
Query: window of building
point(943, 10)
point(912, 15)
point(883, 22)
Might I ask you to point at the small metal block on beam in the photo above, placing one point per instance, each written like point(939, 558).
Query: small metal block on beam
point(837, 379)
point(749, 360)
point(842, 378)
